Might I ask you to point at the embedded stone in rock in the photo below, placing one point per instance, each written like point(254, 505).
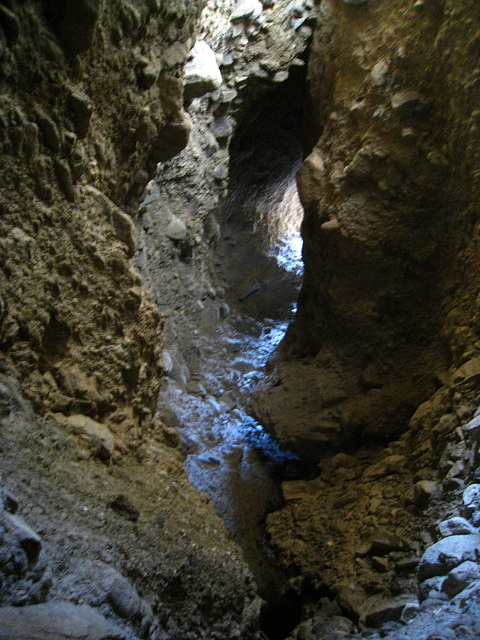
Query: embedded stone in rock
point(74, 23)
point(50, 133)
point(58, 621)
point(202, 74)
point(460, 577)
point(456, 527)
point(10, 23)
point(430, 588)
point(176, 229)
point(98, 437)
point(447, 554)
point(221, 128)
point(378, 74)
point(124, 507)
point(404, 100)
point(121, 221)
point(80, 108)
point(468, 374)
point(472, 430)
point(246, 9)
point(423, 491)
point(124, 599)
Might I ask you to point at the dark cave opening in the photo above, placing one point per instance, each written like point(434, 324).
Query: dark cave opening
point(260, 218)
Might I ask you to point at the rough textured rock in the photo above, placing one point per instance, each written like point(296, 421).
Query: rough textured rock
point(59, 620)
point(456, 526)
point(384, 346)
point(81, 335)
point(447, 554)
point(384, 223)
point(460, 578)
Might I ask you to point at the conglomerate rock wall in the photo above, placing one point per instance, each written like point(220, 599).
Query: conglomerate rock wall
point(381, 365)
point(82, 128)
point(390, 191)
point(91, 99)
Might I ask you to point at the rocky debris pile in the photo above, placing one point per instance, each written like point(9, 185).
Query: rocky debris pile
point(381, 558)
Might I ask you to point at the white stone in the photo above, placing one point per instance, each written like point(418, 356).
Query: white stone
point(447, 554)
point(471, 499)
point(202, 74)
point(176, 229)
point(456, 527)
point(246, 9)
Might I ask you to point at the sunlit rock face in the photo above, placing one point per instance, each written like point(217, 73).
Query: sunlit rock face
point(389, 233)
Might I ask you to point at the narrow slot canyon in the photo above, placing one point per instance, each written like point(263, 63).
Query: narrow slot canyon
point(239, 320)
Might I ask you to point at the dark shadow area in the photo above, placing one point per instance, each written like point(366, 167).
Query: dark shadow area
point(262, 210)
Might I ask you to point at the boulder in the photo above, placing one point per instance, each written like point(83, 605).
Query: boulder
point(56, 621)
point(447, 554)
point(202, 74)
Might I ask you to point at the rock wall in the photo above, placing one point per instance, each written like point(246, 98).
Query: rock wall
point(80, 136)
point(385, 345)
point(390, 192)
point(91, 100)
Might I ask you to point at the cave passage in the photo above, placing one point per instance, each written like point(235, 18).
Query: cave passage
point(259, 265)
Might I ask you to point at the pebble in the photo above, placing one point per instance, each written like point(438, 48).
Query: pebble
point(176, 229)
